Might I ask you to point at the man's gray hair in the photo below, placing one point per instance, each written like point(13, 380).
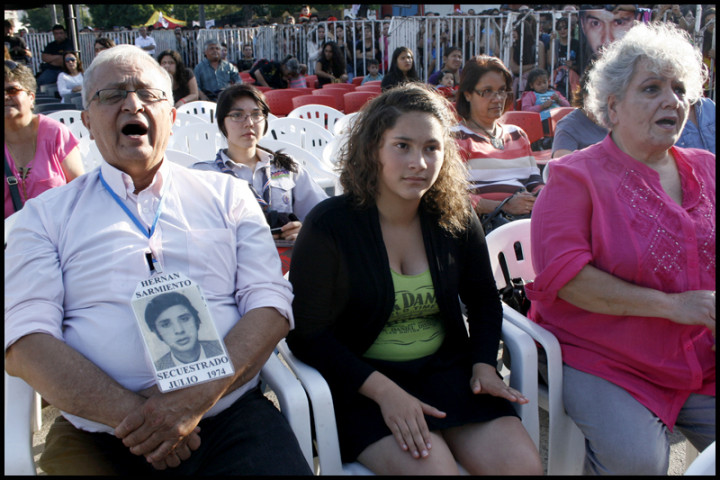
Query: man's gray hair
point(666, 50)
point(210, 41)
point(122, 55)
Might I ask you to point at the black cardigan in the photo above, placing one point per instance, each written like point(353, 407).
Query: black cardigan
point(344, 291)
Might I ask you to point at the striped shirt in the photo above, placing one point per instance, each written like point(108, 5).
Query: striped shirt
point(495, 171)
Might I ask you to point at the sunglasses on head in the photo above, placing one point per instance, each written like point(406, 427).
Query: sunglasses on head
point(10, 64)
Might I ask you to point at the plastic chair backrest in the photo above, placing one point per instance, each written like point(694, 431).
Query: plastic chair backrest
point(529, 121)
point(357, 80)
point(374, 82)
point(311, 81)
point(201, 108)
point(91, 156)
point(321, 173)
point(280, 100)
point(354, 101)
point(369, 88)
point(184, 118)
point(303, 133)
point(314, 99)
point(512, 240)
point(323, 115)
point(70, 118)
point(181, 158)
point(336, 93)
point(54, 107)
point(343, 125)
point(199, 140)
point(556, 114)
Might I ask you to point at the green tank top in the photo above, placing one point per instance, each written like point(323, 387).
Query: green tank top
point(414, 329)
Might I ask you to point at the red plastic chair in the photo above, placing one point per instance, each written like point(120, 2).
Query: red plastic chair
point(301, 100)
point(357, 80)
point(368, 88)
point(280, 101)
point(354, 101)
point(246, 77)
point(555, 115)
point(532, 125)
point(303, 90)
point(336, 93)
point(263, 88)
point(374, 82)
point(347, 87)
point(311, 81)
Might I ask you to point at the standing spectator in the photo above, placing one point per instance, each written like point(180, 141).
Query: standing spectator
point(224, 51)
point(566, 59)
point(452, 62)
point(385, 45)
point(18, 49)
point(699, 131)
point(365, 49)
point(346, 51)
point(181, 44)
point(708, 48)
point(185, 88)
point(247, 60)
point(524, 49)
point(53, 56)
point(145, 41)
point(213, 74)
point(70, 79)
point(40, 151)
point(304, 13)
point(331, 66)
point(316, 39)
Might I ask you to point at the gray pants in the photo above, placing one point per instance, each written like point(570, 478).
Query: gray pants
point(623, 437)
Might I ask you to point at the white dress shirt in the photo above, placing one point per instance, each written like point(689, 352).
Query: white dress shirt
point(74, 258)
point(66, 82)
point(145, 42)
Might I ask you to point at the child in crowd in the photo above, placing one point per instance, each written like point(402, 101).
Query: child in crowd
point(447, 85)
point(373, 73)
point(297, 79)
point(539, 97)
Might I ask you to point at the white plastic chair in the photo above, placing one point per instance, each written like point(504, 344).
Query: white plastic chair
point(303, 133)
point(72, 120)
point(323, 115)
point(181, 158)
point(200, 108)
point(91, 156)
point(201, 140)
point(704, 464)
point(523, 378)
point(323, 174)
point(184, 118)
point(343, 124)
point(19, 410)
point(566, 443)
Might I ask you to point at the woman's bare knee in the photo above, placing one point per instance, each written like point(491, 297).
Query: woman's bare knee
point(385, 457)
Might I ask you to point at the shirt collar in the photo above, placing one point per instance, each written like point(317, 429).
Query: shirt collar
point(122, 184)
point(265, 158)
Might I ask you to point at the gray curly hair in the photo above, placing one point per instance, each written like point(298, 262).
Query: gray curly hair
point(667, 51)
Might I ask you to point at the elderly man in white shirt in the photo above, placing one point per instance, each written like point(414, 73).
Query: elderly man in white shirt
point(73, 262)
point(145, 41)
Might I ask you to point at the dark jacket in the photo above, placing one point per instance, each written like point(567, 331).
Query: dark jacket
point(344, 291)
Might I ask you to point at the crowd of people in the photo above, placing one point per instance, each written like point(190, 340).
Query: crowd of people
point(391, 295)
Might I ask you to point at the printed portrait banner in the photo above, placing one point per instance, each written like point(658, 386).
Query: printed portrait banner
point(178, 332)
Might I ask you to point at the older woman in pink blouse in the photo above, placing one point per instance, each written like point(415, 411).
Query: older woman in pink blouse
point(623, 240)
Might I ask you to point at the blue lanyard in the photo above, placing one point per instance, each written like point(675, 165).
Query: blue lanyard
point(149, 233)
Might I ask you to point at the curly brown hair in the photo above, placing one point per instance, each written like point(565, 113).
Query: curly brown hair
point(359, 162)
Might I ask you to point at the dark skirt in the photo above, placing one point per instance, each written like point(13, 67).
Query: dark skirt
point(443, 384)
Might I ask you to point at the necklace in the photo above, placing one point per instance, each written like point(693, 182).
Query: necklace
point(24, 171)
point(496, 141)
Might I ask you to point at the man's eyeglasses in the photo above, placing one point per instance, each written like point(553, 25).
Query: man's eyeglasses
point(13, 91)
point(112, 96)
point(488, 93)
point(238, 117)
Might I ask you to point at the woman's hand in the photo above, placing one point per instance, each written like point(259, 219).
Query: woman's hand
point(486, 380)
point(403, 414)
point(694, 307)
point(289, 231)
point(521, 204)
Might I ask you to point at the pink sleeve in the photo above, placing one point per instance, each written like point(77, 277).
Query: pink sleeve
point(560, 234)
point(65, 141)
point(562, 100)
point(528, 102)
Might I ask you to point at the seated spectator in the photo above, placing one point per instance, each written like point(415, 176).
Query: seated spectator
point(502, 170)
point(53, 56)
point(18, 50)
point(699, 131)
point(402, 69)
point(269, 73)
point(624, 250)
point(373, 74)
point(103, 43)
point(296, 75)
point(245, 63)
point(452, 62)
point(578, 129)
point(331, 67)
point(185, 87)
point(447, 86)
point(539, 97)
point(70, 79)
point(282, 187)
point(214, 74)
point(413, 393)
point(139, 220)
point(40, 151)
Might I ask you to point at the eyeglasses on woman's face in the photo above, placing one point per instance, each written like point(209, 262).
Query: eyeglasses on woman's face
point(489, 93)
point(239, 117)
point(71, 60)
point(13, 91)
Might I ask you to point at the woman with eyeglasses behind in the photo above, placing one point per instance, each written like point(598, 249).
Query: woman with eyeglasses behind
point(40, 152)
point(503, 171)
point(283, 188)
point(70, 79)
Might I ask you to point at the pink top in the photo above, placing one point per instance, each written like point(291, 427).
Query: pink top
point(602, 207)
point(54, 143)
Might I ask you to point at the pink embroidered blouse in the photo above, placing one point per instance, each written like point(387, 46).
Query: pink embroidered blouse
point(602, 207)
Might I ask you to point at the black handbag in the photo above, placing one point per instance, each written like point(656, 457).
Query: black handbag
point(13, 185)
point(513, 293)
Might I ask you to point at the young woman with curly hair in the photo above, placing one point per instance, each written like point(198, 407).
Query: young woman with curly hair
point(185, 87)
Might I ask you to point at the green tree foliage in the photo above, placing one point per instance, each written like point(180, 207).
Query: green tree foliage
point(108, 16)
point(40, 18)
